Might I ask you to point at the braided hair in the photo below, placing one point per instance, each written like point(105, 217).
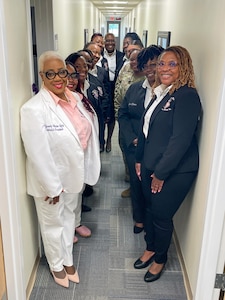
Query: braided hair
point(186, 70)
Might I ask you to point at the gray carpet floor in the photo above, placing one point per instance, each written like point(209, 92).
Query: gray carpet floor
point(105, 260)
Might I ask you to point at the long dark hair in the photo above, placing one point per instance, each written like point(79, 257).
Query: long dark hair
point(71, 59)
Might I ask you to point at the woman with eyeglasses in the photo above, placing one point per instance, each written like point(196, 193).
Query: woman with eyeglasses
point(167, 157)
point(62, 150)
point(130, 112)
point(129, 74)
point(93, 90)
point(73, 80)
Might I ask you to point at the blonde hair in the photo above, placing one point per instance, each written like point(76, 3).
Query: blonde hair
point(186, 70)
point(47, 55)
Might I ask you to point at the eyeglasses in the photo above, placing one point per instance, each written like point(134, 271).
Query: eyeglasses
point(171, 64)
point(51, 74)
point(149, 66)
point(74, 75)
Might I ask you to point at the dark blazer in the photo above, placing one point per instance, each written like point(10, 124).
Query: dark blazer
point(103, 96)
point(119, 62)
point(95, 98)
point(171, 144)
point(104, 63)
point(130, 113)
point(103, 76)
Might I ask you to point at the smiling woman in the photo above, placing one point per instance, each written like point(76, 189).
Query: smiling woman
point(61, 144)
point(167, 153)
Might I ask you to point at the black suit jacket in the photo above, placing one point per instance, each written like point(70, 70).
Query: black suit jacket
point(103, 76)
point(103, 95)
point(119, 63)
point(171, 144)
point(130, 113)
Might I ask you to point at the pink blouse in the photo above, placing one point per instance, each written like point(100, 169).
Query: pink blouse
point(79, 121)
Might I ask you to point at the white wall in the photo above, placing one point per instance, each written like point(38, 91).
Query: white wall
point(70, 20)
point(197, 26)
point(18, 219)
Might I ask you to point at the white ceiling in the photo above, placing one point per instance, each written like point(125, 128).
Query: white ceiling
point(116, 9)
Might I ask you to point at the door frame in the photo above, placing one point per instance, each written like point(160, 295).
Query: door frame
point(10, 210)
point(213, 244)
point(119, 36)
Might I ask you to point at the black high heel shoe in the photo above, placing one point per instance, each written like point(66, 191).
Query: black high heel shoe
point(139, 264)
point(138, 229)
point(149, 277)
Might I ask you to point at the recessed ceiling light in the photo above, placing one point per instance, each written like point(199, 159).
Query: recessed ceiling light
point(114, 7)
point(115, 2)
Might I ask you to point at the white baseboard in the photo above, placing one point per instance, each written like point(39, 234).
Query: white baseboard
point(32, 277)
point(184, 270)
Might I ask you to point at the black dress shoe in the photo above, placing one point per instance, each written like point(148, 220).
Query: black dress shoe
point(85, 208)
point(139, 264)
point(149, 277)
point(138, 229)
point(108, 147)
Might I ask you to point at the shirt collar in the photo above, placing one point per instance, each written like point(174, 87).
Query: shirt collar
point(56, 99)
point(111, 54)
point(162, 89)
point(146, 84)
point(94, 71)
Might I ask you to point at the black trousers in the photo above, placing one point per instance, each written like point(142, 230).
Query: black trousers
point(137, 196)
point(160, 209)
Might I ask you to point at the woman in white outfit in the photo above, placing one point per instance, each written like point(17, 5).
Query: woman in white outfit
point(62, 150)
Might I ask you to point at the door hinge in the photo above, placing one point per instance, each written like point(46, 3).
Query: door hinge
point(220, 282)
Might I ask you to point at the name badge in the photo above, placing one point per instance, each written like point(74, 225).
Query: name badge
point(54, 127)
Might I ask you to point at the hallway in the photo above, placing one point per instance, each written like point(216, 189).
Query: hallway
point(105, 260)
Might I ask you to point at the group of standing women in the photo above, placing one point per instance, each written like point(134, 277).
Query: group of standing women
point(158, 123)
point(60, 128)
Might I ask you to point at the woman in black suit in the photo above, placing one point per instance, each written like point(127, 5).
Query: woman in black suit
point(93, 92)
point(130, 112)
point(167, 153)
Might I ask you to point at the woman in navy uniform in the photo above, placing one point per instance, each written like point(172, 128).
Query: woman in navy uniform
point(130, 112)
point(167, 153)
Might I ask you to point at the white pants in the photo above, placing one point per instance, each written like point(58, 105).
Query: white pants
point(57, 224)
point(78, 208)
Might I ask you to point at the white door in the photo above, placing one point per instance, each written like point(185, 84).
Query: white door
point(213, 246)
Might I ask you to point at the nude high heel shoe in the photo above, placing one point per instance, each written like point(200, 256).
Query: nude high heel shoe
point(74, 277)
point(61, 281)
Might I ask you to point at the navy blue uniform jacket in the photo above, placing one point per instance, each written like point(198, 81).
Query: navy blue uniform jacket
point(130, 113)
point(171, 144)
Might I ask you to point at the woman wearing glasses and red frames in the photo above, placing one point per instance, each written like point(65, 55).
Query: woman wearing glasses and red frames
point(62, 150)
point(167, 158)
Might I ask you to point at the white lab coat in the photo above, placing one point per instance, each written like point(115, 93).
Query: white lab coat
point(55, 158)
